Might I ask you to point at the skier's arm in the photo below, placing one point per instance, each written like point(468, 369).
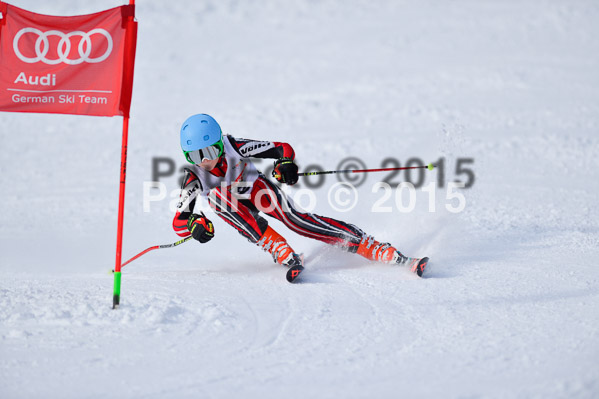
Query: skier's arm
point(248, 148)
point(190, 189)
point(186, 222)
point(285, 170)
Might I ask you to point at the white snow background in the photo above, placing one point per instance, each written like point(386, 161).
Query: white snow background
point(509, 305)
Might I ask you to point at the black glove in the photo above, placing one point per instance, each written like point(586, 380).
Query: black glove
point(200, 227)
point(285, 171)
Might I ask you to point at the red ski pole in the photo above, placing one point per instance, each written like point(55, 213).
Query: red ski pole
point(430, 166)
point(156, 247)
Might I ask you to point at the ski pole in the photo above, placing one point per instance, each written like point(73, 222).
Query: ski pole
point(156, 247)
point(430, 166)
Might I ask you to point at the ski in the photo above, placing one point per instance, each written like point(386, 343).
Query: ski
point(294, 272)
point(296, 265)
point(417, 265)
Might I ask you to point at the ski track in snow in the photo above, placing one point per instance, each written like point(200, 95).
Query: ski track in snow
point(509, 306)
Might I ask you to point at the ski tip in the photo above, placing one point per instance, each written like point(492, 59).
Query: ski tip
point(431, 166)
point(421, 266)
point(293, 273)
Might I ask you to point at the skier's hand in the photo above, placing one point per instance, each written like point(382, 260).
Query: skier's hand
point(201, 227)
point(285, 171)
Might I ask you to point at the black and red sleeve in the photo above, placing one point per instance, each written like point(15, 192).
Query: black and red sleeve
point(190, 189)
point(248, 148)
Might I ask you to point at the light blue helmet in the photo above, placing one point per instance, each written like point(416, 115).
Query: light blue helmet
point(199, 131)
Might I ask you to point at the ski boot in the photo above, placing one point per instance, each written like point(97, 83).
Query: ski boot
point(273, 243)
point(373, 250)
point(386, 253)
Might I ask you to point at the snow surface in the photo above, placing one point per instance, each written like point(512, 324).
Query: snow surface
point(509, 306)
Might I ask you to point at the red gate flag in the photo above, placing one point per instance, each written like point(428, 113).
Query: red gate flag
point(67, 65)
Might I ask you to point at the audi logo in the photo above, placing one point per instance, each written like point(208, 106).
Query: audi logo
point(63, 49)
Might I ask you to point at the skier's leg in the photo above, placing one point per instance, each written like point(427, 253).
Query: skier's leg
point(269, 198)
point(244, 217)
point(238, 215)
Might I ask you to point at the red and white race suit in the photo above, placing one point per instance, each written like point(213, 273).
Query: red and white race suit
point(238, 192)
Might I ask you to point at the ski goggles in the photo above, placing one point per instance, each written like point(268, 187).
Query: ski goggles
point(210, 153)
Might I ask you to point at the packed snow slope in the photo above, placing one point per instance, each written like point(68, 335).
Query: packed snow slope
point(509, 307)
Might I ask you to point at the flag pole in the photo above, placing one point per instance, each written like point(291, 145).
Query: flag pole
point(116, 296)
point(119, 235)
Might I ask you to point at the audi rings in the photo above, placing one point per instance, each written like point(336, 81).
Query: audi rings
point(42, 46)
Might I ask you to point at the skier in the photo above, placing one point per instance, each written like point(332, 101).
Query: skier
point(223, 173)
